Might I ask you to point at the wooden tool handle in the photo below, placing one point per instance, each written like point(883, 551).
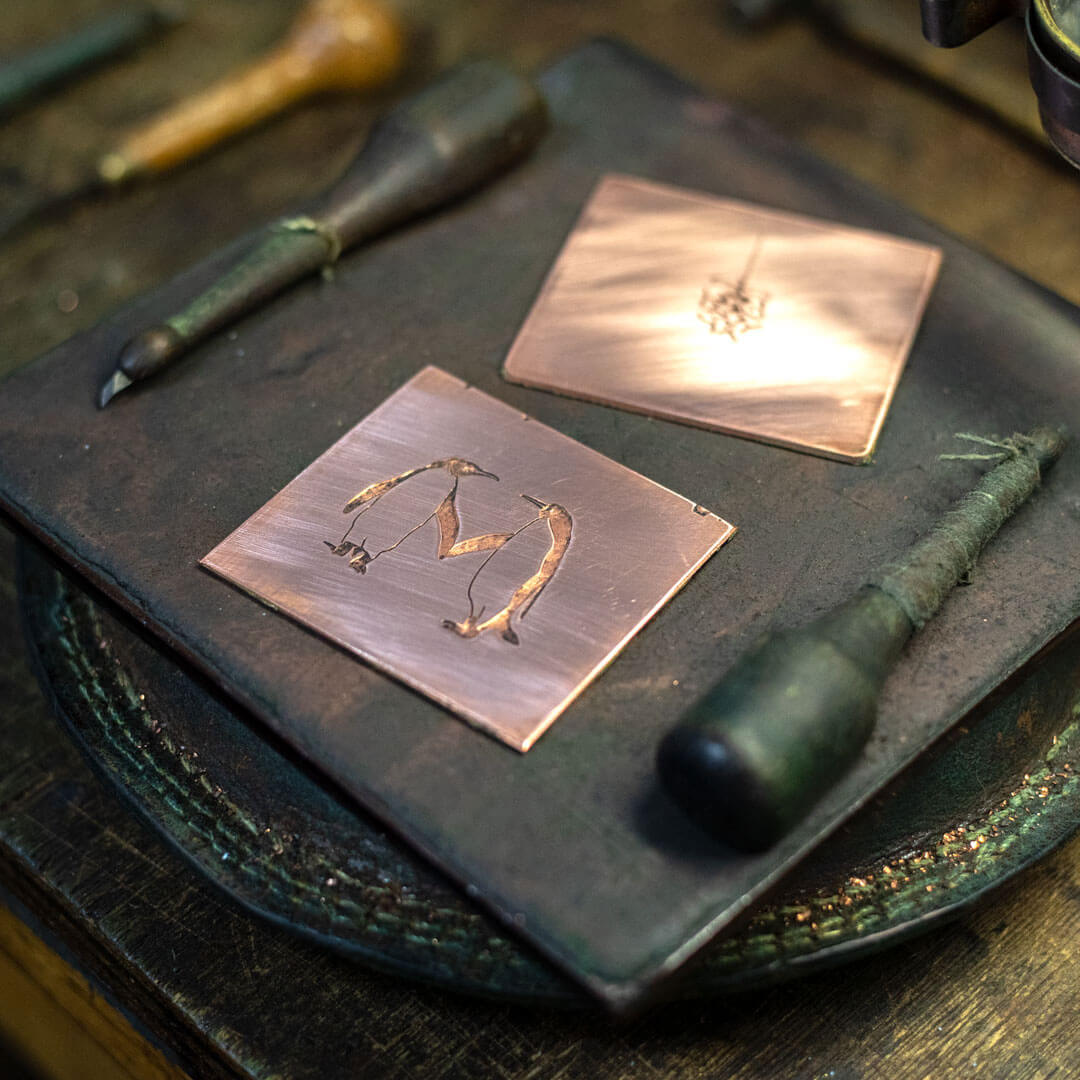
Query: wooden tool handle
point(333, 45)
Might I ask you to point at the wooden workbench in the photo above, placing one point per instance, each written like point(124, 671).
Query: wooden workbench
point(991, 996)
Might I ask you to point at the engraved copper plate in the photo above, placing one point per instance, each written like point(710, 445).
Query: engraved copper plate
point(729, 316)
point(474, 553)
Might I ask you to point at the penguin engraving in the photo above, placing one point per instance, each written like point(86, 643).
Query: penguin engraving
point(560, 526)
point(445, 514)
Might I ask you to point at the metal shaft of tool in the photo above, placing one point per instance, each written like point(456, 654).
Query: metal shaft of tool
point(25, 76)
point(470, 125)
point(790, 717)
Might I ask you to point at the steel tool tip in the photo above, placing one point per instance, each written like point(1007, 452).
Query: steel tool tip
point(117, 381)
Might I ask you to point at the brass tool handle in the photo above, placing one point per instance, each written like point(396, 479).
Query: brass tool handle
point(791, 716)
point(333, 45)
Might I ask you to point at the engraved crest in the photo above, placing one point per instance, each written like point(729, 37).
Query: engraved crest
point(732, 308)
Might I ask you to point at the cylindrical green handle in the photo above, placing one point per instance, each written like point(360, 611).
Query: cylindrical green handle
point(788, 720)
point(785, 723)
point(24, 76)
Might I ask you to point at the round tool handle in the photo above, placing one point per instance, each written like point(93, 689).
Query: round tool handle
point(784, 724)
point(333, 45)
point(469, 125)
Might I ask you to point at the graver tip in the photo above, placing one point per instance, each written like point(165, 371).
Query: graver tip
point(117, 381)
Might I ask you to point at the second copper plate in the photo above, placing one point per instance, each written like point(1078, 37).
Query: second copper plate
point(729, 316)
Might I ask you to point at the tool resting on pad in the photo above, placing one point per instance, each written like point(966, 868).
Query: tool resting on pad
point(789, 718)
point(472, 124)
point(574, 845)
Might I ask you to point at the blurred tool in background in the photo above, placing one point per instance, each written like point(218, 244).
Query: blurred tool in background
point(1053, 48)
point(333, 45)
point(28, 74)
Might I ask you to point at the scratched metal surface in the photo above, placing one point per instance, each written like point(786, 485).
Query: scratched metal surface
point(509, 635)
point(728, 315)
point(574, 846)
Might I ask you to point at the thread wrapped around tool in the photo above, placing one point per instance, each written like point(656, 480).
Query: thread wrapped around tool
point(924, 577)
point(789, 718)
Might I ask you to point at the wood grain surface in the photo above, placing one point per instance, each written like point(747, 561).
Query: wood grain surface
point(992, 996)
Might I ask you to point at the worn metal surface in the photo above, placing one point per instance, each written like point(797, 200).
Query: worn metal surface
point(972, 812)
point(729, 316)
point(496, 594)
point(1054, 66)
point(142, 497)
point(1003, 977)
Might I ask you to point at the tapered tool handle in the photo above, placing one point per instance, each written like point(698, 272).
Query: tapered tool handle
point(787, 721)
point(467, 127)
point(333, 45)
point(25, 76)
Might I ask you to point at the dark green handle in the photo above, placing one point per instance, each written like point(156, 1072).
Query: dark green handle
point(788, 720)
point(467, 127)
point(24, 76)
point(785, 723)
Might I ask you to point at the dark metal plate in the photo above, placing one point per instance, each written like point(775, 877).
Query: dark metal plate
point(985, 802)
point(136, 494)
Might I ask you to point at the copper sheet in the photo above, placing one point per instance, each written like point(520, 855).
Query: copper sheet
point(481, 557)
point(729, 316)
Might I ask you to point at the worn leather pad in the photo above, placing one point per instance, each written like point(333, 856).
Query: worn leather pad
point(572, 844)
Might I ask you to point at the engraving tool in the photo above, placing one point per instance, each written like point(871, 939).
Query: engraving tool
point(787, 721)
point(470, 125)
point(42, 67)
point(333, 45)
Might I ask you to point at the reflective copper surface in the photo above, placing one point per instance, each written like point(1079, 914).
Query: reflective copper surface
point(728, 316)
point(481, 557)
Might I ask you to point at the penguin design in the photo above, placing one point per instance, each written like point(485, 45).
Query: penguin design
point(445, 514)
point(559, 524)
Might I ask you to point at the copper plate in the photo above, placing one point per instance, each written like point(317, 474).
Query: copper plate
point(729, 316)
point(472, 552)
